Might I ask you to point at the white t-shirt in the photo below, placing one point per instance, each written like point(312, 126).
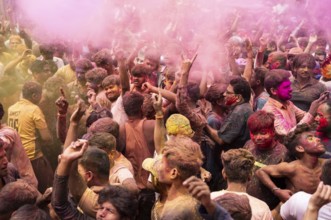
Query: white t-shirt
point(260, 210)
point(118, 112)
point(295, 208)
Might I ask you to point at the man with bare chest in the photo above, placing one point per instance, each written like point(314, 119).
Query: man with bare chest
point(302, 174)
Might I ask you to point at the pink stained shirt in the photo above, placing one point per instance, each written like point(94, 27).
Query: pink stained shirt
point(287, 116)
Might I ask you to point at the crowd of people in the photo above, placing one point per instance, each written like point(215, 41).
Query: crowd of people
point(106, 133)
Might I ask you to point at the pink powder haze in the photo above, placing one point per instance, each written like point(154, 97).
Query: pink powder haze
point(168, 24)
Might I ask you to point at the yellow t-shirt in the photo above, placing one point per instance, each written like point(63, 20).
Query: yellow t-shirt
point(66, 73)
point(27, 118)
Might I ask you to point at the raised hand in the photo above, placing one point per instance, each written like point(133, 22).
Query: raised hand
point(61, 103)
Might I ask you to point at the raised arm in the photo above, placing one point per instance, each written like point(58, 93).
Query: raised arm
point(159, 130)
point(249, 61)
point(74, 121)
point(321, 197)
point(12, 64)
point(61, 122)
point(124, 76)
point(60, 202)
point(280, 170)
point(170, 96)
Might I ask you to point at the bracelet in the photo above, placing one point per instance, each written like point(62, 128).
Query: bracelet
point(274, 189)
point(61, 115)
point(158, 116)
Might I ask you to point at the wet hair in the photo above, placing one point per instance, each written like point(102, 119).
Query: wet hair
point(237, 205)
point(260, 120)
point(293, 139)
point(184, 154)
point(274, 78)
point(299, 59)
point(260, 74)
point(30, 88)
point(84, 64)
point(38, 66)
point(193, 91)
point(326, 172)
point(125, 203)
point(241, 87)
point(16, 194)
point(132, 103)
point(140, 70)
point(96, 75)
point(238, 165)
point(103, 140)
point(111, 80)
point(30, 211)
point(215, 92)
point(97, 161)
point(2, 112)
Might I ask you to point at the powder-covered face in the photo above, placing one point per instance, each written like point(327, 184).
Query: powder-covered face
point(263, 139)
point(230, 97)
point(323, 118)
point(312, 144)
point(326, 71)
point(284, 91)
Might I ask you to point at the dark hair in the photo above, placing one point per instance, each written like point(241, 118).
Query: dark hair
point(96, 75)
point(274, 78)
point(260, 73)
point(30, 88)
point(132, 103)
point(193, 91)
point(84, 64)
point(2, 112)
point(105, 124)
point(238, 165)
point(111, 80)
point(122, 199)
point(46, 49)
point(147, 108)
point(30, 211)
point(293, 139)
point(326, 172)
point(237, 205)
point(241, 87)
point(96, 115)
point(97, 161)
point(215, 92)
point(15, 194)
point(260, 120)
point(140, 70)
point(301, 58)
point(102, 57)
point(103, 140)
point(38, 66)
